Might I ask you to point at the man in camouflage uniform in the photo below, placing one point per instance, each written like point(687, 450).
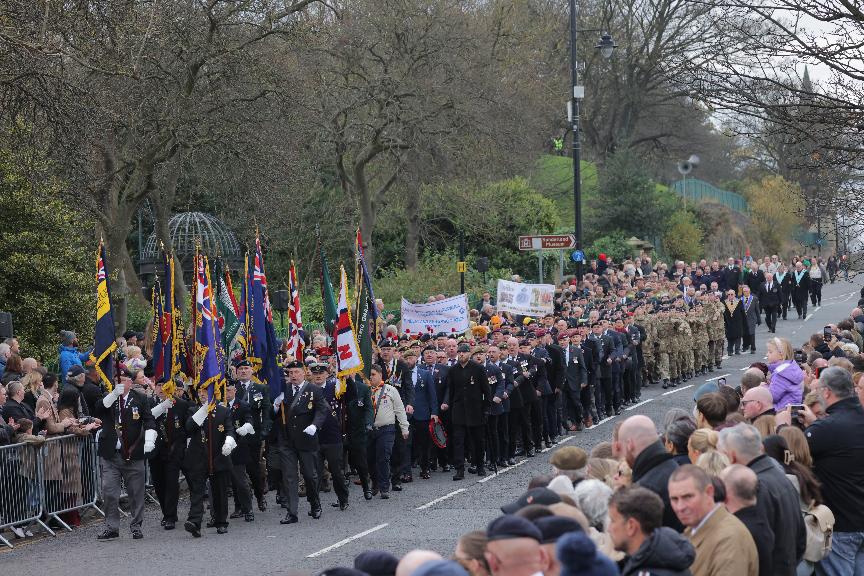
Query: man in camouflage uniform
point(716, 332)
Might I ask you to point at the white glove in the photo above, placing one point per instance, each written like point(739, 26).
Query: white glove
point(228, 446)
point(278, 402)
point(246, 429)
point(200, 415)
point(112, 396)
point(162, 407)
point(310, 430)
point(149, 441)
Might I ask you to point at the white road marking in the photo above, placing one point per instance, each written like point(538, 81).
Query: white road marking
point(441, 499)
point(346, 541)
point(502, 471)
point(717, 377)
point(677, 390)
point(639, 404)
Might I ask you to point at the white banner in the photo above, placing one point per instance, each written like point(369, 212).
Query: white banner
point(449, 316)
point(525, 299)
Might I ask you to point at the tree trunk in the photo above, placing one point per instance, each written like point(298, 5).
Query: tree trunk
point(367, 214)
point(412, 229)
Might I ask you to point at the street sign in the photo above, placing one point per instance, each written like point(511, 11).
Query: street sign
point(577, 256)
point(460, 267)
point(548, 242)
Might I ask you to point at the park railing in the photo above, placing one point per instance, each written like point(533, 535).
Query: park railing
point(44, 479)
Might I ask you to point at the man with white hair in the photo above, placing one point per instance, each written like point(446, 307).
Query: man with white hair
point(776, 496)
point(757, 402)
point(651, 463)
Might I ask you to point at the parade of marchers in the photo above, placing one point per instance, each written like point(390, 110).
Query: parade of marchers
point(764, 475)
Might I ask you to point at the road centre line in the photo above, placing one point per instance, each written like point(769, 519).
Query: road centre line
point(717, 377)
point(441, 499)
point(347, 540)
point(677, 390)
point(639, 404)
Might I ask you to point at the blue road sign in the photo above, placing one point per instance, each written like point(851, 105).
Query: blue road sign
point(577, 256)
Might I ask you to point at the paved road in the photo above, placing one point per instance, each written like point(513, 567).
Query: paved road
point(428, 514)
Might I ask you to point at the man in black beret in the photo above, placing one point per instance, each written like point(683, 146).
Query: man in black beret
point(468, 396)
point(397, 373)
point(257, 396)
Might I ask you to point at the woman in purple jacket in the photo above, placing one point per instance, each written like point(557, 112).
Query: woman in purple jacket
point(785, 376)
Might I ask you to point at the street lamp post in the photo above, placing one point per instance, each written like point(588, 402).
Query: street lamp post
point(606, 46)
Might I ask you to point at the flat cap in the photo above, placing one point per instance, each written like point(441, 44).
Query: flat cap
point(569, 458)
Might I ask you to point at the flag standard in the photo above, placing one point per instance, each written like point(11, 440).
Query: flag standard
point(331, 313)
point(348, 358)
point(104, 343)
point(229, 314)
point(209, 376)
point(295, 319)
point(262, 344)
point(366, 313)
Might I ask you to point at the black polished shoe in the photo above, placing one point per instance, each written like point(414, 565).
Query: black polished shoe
point(162, 522)
point(289, 519)
point(137, 534)
point(262, 504)
point(617, 411)
point(460, 474)
point(192, 528)
point(211, 523)
point(529, 453)
point(511, 462)
point(502, 464)
point(169, 525)
point(236, 514)
point(108, 535)
point(367, 494)
point(397, 487)
point(385, 495)
point(343, 506)
point(249, 517)
point(425, 475)
point(316, 513)
point(445, 468)
point(222, 530)
point(481, 472)
point(472, 469)
point(407, 478)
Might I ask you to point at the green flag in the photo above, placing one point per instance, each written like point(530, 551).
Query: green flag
point(331, 313)
point(226, 307)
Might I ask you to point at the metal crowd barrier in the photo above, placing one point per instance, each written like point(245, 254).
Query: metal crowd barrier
point(41, 481)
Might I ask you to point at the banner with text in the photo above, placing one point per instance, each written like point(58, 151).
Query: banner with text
point(525, 299)
point(449, 316)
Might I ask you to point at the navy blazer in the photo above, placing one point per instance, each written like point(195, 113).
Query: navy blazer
point(425, 397)
point(497, 385)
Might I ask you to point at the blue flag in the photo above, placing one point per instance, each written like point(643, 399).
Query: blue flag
point(104, 343)
point(261, 338)
point(209, 376)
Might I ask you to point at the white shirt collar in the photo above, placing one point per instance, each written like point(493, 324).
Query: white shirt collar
point(705, 519)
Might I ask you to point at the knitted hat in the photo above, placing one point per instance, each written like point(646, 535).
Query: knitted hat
point(579, 557)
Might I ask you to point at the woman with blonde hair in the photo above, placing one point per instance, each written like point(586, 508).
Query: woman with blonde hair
point(32, 382)
point(767, 425)
point(701, 441)
point(713, 462)
point(798, 445)
point(785, 377)
point(602, 469)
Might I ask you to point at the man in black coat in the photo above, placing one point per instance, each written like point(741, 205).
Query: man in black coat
point(208, 457)
point(128, 433)
point(769, 299)
point(575, 380)
point(730, 276)
point(257, 396)
point(468, 396)
point(555, 372)
point(741, 490)
point(524, 396)
point(440, 456)
point(776, 496)
point(241, 418)
point(800, 289)
point(171, 414)
point(299, 412)
point(591, 350)
point(651, 463)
